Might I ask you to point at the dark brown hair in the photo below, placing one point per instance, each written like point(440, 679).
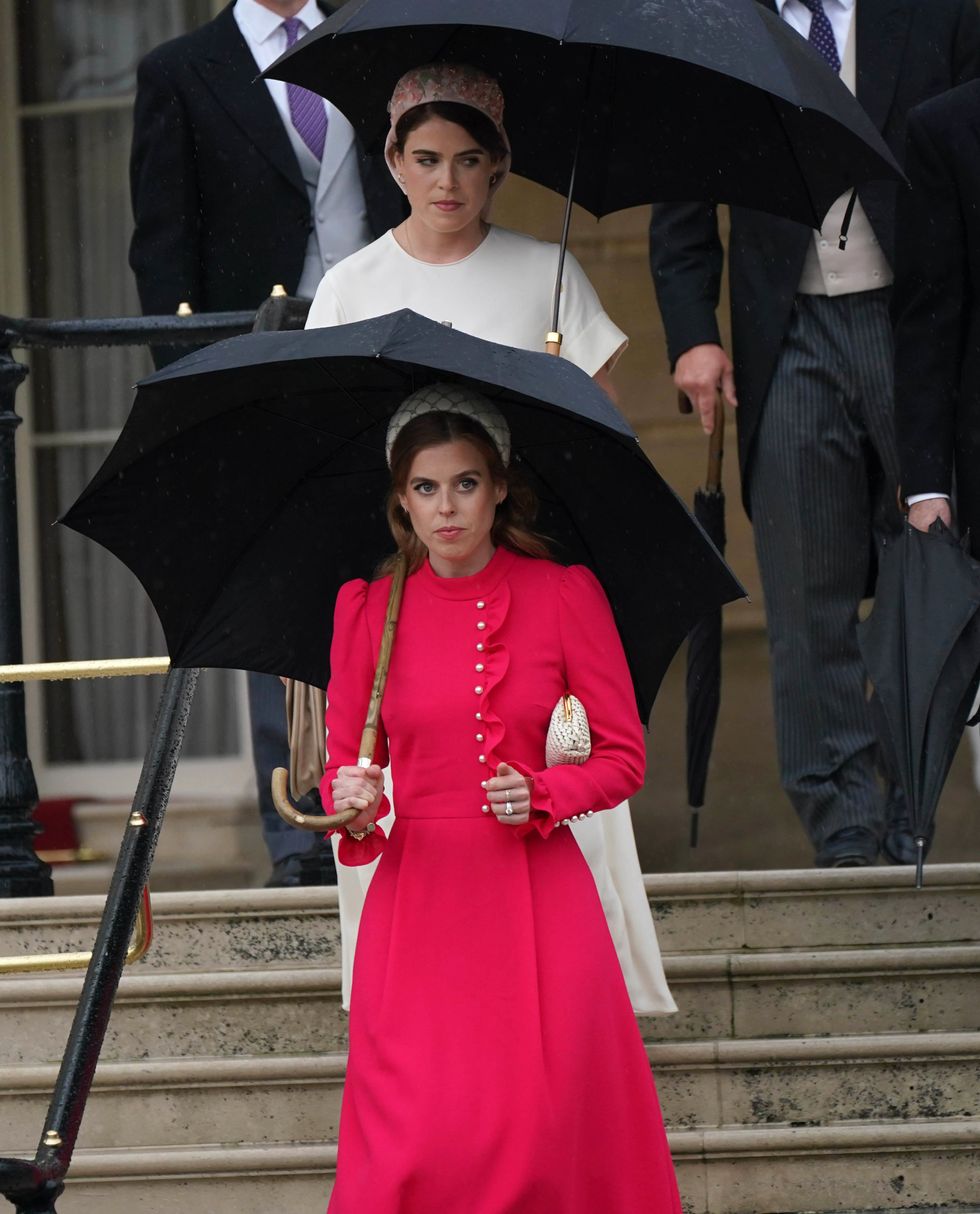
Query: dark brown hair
point(513, 524)
point(475, 123)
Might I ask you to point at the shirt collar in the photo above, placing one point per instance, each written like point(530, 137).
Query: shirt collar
point(262, 22)
point(846, 5)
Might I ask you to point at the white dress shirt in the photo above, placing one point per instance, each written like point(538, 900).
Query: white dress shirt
point(333, 186)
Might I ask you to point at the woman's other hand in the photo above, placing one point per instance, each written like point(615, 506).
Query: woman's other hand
point(509, 789)
point(358, 788)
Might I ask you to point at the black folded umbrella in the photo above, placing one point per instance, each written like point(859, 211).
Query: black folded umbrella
point(257, 466)
point(704, 641)
point(921, 646)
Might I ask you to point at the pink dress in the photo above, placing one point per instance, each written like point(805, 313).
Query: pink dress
point(495, 1062)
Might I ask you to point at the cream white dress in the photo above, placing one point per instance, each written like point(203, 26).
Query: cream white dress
point(502, 292)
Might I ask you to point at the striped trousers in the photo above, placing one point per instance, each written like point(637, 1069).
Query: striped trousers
point(822, 481)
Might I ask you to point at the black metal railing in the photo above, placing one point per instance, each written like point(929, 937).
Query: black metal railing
point(33, 1186)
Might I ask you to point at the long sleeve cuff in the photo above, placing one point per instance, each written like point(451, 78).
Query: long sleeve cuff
point(543, 817)
point(925, 497)
point(355, 852)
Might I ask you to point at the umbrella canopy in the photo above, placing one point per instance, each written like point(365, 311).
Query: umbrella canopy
point(257, 466)
point(921, 646)
point(718, 100)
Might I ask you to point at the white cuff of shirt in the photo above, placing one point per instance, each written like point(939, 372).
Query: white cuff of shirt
point(925, 497)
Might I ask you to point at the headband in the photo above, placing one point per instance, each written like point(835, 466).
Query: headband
point(456, 82)
point(451, 398)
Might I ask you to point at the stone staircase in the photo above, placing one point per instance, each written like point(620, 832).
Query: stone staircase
point(826, 1056)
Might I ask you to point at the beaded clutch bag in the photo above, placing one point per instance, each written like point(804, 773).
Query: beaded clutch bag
point(569, 739)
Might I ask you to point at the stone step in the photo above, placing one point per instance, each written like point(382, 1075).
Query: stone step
point(852, 1168)
point(695, 912)
point(227, 929)
point(191, 827)
point(93, 877)
point(814, 908)
point(180, 1102)
point(821, 992)
point(249, 1013)
point(296, 1011)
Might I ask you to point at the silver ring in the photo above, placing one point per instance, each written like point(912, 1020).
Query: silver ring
point(508, 808)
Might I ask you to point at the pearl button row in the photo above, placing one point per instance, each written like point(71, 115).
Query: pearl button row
point(575, 818)
point(478, 690)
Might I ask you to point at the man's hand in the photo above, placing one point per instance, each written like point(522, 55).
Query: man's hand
point(923, 514)
point(701, 373)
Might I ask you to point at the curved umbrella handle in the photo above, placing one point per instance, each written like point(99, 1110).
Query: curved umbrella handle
point(289, 813)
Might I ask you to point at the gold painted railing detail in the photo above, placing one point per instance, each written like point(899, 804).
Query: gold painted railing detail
point(46, 963)
point(103, 668)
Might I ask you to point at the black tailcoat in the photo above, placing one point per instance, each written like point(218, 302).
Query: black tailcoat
point(222, 213)
point(907, 52)
point(937, 305)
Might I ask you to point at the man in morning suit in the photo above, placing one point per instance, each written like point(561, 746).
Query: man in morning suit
point(812, 369)
point(936, 306)
point(239, 185)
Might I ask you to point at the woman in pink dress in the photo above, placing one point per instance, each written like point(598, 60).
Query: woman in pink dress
point(495, 1062)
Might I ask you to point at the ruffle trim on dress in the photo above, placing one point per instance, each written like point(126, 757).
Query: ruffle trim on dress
point(495, 658)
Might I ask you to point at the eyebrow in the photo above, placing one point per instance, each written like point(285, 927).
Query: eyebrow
point(475, 151)
point(456, 475)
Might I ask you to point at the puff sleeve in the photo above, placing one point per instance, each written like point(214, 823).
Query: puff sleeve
point(591, 339)
point(352, 665)
point(597, 673)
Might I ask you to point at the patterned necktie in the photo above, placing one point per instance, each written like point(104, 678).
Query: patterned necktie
point(821, 33)
point(306, 109)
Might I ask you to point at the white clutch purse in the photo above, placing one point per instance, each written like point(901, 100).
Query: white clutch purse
point(569, 739)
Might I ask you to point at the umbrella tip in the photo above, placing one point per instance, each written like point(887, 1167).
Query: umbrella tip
point(695, 820)
point(920, 858)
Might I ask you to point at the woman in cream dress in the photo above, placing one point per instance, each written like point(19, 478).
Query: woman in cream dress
point(449, 152)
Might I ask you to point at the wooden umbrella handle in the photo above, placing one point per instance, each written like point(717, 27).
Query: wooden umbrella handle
point(716, 448)
point(289, 813)
point(369, 738)
point(716, 443)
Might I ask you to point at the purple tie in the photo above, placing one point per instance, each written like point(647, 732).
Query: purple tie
point(822, 34)
point(306, 109)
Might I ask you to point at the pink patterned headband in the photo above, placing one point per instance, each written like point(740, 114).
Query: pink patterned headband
point(456, 82)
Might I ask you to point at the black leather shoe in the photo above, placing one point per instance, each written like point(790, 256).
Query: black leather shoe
point(851, 847)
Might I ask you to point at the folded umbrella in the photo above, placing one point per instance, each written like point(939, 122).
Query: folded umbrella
point(257, 465)
point(704, 641)
point(921, 646)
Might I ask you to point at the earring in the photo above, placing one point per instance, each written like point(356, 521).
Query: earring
point(401, 178)
point(493, 178)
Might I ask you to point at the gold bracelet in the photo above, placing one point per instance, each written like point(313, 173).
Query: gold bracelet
point(358, 835)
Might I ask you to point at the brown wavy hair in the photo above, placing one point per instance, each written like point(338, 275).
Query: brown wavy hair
point(513, 526)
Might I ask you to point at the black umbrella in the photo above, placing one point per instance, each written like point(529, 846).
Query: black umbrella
point(257, 465)
point(620, 104)
point(921, 646)
point(704, 641)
